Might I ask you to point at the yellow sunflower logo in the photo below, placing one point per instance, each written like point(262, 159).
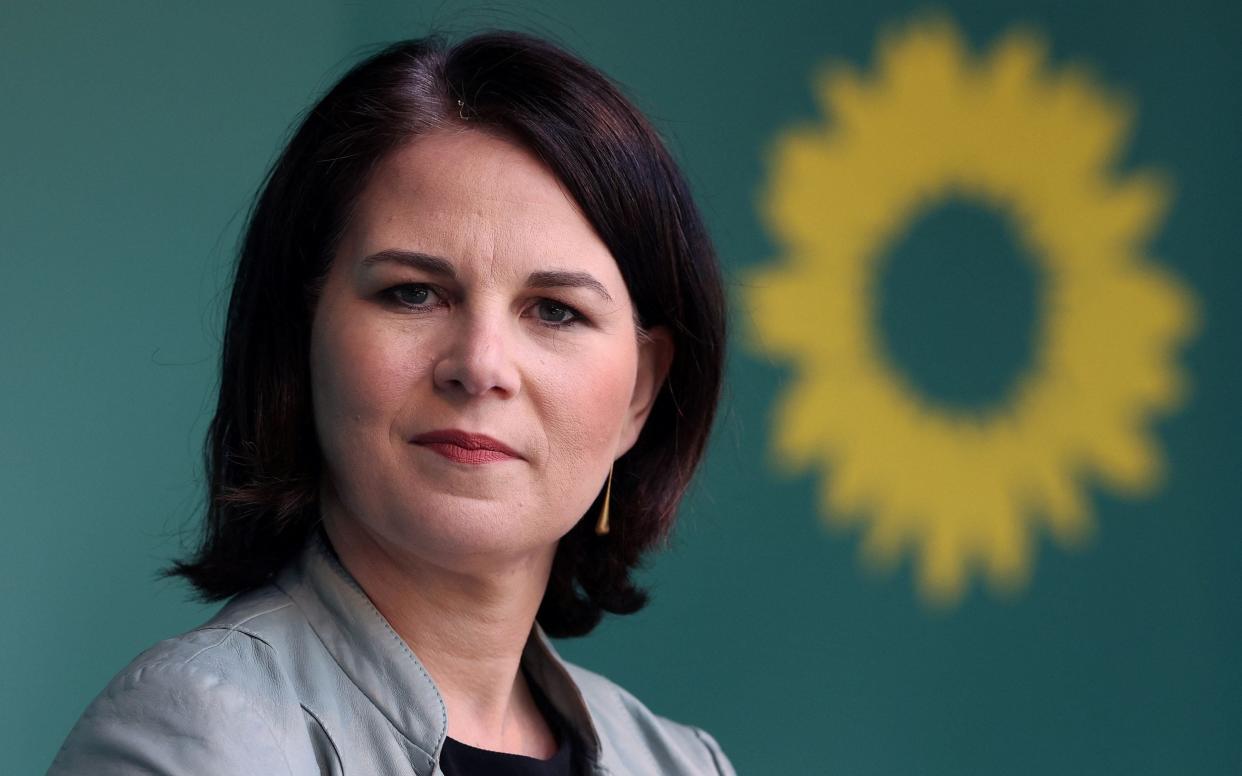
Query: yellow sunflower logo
point(964, 490)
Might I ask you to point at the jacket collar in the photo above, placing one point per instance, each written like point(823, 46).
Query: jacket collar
point(387, 671)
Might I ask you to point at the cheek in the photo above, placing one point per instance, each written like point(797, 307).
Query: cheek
point(586, 409)
point(582, 424)
point(359, 377)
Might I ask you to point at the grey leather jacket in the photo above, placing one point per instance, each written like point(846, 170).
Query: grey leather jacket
point(304, 676)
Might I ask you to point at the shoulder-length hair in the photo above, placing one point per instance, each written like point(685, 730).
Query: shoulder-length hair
point(261, 453)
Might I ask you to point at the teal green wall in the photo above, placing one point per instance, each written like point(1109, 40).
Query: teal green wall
point(133, 136)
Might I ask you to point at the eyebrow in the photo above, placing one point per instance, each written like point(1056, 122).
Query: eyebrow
point(435, 265)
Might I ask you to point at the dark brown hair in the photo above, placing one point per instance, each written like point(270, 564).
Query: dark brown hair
point(261, 452)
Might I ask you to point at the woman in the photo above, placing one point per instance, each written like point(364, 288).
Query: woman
point(473, 352)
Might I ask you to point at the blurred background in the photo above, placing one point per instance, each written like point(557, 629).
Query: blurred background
point(973, 502)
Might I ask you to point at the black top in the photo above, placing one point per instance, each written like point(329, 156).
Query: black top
point(458, 759)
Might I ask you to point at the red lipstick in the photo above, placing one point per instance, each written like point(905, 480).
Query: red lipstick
point(464, 447)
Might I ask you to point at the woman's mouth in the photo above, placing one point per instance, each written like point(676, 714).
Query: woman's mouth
point(465, 454)
point(465, 447)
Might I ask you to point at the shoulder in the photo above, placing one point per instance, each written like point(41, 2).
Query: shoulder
point(231, 653)
point(630, 731)
point(211, 700)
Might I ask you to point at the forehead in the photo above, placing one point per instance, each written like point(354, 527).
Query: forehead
point(469, 196)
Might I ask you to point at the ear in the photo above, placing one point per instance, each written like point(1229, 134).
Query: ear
point(655, 354)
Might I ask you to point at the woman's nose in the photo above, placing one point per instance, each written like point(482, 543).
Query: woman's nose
point(477, 359)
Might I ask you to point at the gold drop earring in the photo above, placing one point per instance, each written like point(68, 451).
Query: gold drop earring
point(601, 527)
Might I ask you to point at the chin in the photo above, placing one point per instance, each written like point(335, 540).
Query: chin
point(465, 531)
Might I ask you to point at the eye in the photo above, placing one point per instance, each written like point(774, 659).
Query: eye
point(413, 295)
point(553, 313)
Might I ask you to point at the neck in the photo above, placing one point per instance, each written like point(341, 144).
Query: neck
point(467, 627)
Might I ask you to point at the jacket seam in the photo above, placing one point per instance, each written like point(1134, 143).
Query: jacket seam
point(710, 750)
point(235, 628)
point(340, 761)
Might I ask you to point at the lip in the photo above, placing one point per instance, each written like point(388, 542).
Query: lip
point(465, 447)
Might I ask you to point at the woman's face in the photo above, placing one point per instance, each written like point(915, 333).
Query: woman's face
point(471, 295)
